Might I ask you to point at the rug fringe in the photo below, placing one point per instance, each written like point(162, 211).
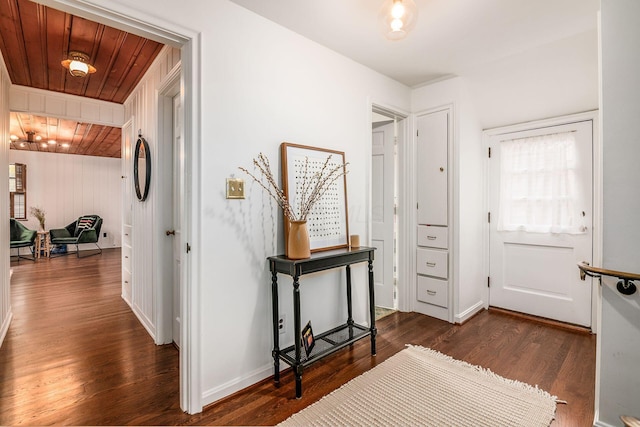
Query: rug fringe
point(486, 371)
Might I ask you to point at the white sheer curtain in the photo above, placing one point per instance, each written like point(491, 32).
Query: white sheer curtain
point(538, 185)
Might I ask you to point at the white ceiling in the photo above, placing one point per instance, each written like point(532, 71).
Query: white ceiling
point(451, 37)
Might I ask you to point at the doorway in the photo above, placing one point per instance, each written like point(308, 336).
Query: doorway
point(541, 223)
point(387, 132)
point(188, 41)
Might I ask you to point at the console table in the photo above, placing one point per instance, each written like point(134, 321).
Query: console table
point(330, 341)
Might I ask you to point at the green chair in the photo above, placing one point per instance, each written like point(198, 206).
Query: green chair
point(22, 237)
point(85, 229)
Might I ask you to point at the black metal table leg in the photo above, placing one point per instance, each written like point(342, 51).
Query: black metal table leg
point(349, 302)
point(297, 335)
point(372, 307)
point(276, 331)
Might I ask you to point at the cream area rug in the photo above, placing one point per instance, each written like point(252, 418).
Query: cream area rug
point(422, 387)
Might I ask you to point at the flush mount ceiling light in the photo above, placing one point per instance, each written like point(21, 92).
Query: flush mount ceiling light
point(397, 18)
point(78, 64)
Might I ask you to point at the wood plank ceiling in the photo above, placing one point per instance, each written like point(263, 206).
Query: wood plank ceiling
point(34, 39)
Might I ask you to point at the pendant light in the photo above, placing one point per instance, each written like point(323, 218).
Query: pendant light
point(397, 18)
point(78, 64)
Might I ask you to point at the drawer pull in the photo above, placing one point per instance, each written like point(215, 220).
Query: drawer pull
point(431, 264)
point(432, 293)
point(126, 257)
point(431, 237)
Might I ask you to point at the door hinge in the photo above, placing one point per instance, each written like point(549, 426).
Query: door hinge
point(489, 217)
point(188, 248)
point(489, 152)
point(488, 282)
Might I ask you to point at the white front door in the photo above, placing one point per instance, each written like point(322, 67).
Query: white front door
point(177, 215)
point(533, 268)
point(383, 221)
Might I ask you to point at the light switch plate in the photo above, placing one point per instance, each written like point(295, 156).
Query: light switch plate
point(235, 188)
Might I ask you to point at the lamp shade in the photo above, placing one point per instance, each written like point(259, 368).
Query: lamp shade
point(397, 18)
point(78, 64)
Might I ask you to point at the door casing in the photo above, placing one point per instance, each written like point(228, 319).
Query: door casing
point(405, 231)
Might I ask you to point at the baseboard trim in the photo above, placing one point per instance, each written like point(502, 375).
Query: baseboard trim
point(224, 390)
point(145, 322)
point(5, 326)
point(469, 313)
point(126, 299)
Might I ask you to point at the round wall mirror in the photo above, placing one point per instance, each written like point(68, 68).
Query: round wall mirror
point(142, 168)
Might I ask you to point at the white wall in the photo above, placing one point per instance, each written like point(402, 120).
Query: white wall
point(67, 186)
point(619, 339)
point(5, 297)
point(272, 86)
point(551, 80)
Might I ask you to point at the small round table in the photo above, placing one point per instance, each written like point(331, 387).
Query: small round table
point(43, 244)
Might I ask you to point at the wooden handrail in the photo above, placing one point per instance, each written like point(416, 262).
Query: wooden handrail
point(625, 284)
point(597, 272)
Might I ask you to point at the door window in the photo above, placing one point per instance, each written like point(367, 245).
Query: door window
point(539, 189)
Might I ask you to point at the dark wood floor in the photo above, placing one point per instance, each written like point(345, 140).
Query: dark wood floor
point(76, 355)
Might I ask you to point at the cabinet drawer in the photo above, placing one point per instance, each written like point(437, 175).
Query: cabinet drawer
point(435, 237)
point(126, 280)
point(126, 235)
point(433, 291)
point(126, 286)
point(432, 263)
point(126, 257)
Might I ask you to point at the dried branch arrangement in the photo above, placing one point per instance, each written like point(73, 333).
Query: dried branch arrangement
point(313, 185)
point(39, 214)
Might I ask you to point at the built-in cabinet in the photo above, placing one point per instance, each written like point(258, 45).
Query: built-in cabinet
point(451, 218)
point(432, 252)
point(127, 227)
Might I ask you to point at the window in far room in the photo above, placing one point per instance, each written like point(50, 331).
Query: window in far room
point(18, 191)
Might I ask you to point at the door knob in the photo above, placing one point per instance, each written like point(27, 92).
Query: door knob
point(170, 232)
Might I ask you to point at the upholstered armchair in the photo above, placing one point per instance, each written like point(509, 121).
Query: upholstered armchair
point(21, 237)
point(85, 229)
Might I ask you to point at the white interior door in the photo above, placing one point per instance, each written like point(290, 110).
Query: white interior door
point(177, 215)
point(531, 271)
point(383, 221)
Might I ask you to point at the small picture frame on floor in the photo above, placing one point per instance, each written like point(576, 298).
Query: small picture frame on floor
point(308, 341)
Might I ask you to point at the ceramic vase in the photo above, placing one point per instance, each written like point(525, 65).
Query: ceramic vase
point(298, 242)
